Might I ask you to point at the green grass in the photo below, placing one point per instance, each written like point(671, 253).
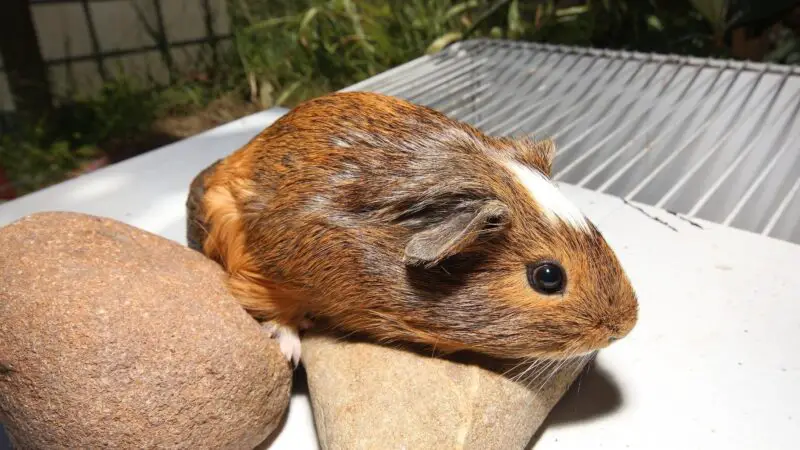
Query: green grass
point(292, 50)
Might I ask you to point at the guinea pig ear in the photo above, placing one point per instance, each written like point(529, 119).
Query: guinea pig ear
point(456, 233)
point(538, 154)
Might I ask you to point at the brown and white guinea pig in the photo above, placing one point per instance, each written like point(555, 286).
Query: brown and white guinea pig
point(392, 220)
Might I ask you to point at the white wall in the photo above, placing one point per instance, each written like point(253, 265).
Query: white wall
point(64, 34)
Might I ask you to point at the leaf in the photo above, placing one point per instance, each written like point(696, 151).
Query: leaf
point(460, 9)
point(712, 10)
point(655, 23)
point(287, 92)
point(783, 51)
point(572, 11)
point(352, 14)
point(515, 26)
point(269, 23)
point(443, 41)
point(307, 18)
point(265, 90)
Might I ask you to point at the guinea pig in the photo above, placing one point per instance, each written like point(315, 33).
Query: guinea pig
point(392, 220)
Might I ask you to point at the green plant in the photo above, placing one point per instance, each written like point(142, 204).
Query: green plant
point(290, 51)
point(293, 50)
point(36, 154)
point(33, 160)
point(121, 107)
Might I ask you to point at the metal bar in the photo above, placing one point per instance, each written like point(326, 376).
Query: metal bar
point(673, 108)
point(635, 159)
point(539, 107)
point(729, 170)
point(587, 111)
point(766, 171)
point(437, 81)
point(96, 50)
point(518, 72)
point(716, 110)
point(466, 83)
point(121, 53)
point(637, 55)
point(163, 40)
point(446, 64)
point(781, 208)
point(600, 143)
point(208, 23)
point(583, 101)
point(600, 167)
point(586, 102)
point(676, 187)
point(519, 98)
point(401, 70)
point(413, 70)
point(552, 91)
point(451, 98)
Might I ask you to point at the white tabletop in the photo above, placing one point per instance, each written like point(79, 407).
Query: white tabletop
point(709, 364)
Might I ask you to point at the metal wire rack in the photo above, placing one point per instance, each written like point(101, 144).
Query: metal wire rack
point(713, 139)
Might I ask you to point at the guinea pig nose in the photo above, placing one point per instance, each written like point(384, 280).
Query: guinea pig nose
point(612, 339)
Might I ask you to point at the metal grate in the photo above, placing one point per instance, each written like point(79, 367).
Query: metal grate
point(716, 140)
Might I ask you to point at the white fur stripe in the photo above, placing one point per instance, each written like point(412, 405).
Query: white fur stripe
point(554, 203)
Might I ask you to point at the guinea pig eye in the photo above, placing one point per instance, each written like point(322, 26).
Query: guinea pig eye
point(546, 277)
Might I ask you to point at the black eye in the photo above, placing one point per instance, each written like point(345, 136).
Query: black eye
point(546, 277)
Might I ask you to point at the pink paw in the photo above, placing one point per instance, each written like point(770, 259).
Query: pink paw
point(288, 339)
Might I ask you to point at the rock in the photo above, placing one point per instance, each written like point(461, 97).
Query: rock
point(368, 396)
point(113, 337)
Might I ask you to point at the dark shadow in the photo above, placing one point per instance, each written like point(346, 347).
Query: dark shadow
point(5, 443)
point(299, 385)
point(120, 149)
point(593, 394)
point(508, 368)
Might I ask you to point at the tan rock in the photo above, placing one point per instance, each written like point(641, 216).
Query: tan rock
point(112, 337)
point(368, 396)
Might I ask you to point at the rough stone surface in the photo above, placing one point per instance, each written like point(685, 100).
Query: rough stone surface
point(113, 337)
point(368, 396)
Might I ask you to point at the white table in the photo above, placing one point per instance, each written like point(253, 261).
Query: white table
point(711, 364)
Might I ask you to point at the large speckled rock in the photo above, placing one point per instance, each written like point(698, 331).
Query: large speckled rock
point(368, 396)
point(113, 337)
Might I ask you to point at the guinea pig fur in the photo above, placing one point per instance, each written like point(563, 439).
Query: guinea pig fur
point(392, 220)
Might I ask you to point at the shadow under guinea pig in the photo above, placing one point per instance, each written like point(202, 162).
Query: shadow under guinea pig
point(593, 394)
point(5, 443)
point(299, 386)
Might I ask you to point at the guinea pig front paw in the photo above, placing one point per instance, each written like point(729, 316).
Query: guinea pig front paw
point(288, 339)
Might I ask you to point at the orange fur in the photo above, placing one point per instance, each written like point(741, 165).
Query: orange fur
point(226, 243)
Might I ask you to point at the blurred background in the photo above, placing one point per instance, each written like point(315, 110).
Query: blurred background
point(86, 83)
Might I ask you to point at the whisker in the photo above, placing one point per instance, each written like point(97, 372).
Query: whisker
point(590, 358)
point(569, 359)
point(542, 371)
point(533, 363)
point(516, 366)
